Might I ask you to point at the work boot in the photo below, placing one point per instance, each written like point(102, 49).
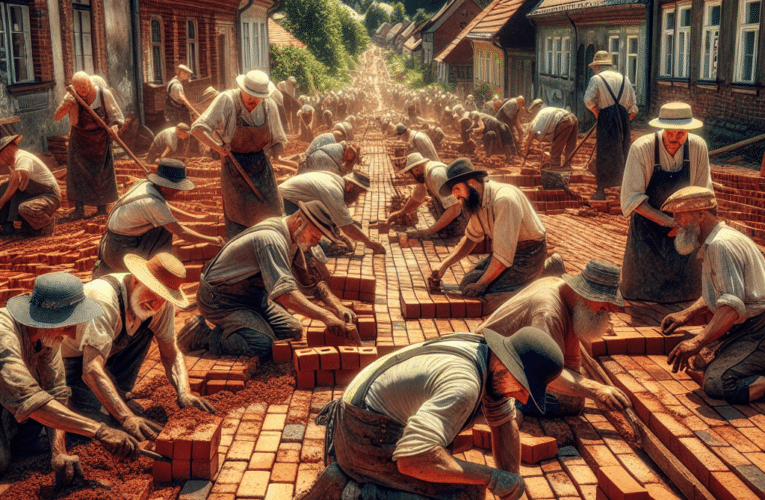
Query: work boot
point(554, 266)
point(194, 336)
point(101, 210)
point(599, 195)
point(78, 212)
point(328, 486)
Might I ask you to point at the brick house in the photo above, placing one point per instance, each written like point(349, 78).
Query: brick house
point(445, 25)
point(710, 54)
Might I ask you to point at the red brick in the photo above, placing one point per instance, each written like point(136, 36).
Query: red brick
point(619, 485)
point(660, 492)
point(164, 445)
point(367, 355)
point(306, 359)
point(349, 357)
point(182, 448)
point(726, 486)
point(315, 336)
point(282, 352)
point(463, 441)
point(205, 469)
point(344, 377)
point(181, 469)
point(473, 308)
point(197, 385)
point(234, 385)
point(162, 472)
point(306, 379)
point(215, 386)
point(367, 285)
point(410, 306)
point(352, 283)
point(206, 440)
point(329, 358)
point(325, 377)
point(367, 327)
point(536, 449)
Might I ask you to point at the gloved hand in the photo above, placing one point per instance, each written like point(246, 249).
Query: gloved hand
point(67, 468)
point(141, 428)
point(474, 289)
point(335, 326)
point(346, 314)
point(189, 400)
point(118, 443)
point(506, 485)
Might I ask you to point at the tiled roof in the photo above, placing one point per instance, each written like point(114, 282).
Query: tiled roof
point(550, 6)
point(411, 44)
point(441, 56)
point(497, 14)
point(281, 37)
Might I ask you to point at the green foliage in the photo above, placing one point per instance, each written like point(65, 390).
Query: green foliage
point(364, 6)
point(355, 38)
point(482, 93)
point(311, 74)
point(398, 15)
point(411, 73)
point(375, 16)
point(317, 25)
point(421, 16)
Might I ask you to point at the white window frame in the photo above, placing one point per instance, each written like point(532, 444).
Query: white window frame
point(566, 57)
point(8, 56)
point(632, 60)
point(84, 58)
point(709, 43)
point(557, 48)
point(246, 46)
point(192, 47)
point(682, 42)
point(744, 28)
point(155, 64)
point(263, 46)
point(614, 52)
point(667, 49)
point(678, 55)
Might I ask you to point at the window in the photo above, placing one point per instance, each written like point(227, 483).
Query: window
point(549, 51)
point(676, 41)
point(709, 39)
point(83, 36)
point(15, 43)
point(748, 36)
point(246, 52)
point(192, 46)
point(263, 45)
point(632, 59)
point(565, 57)
point(157, 60)
point(557, 48)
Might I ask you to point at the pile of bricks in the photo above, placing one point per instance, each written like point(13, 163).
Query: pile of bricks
point(212, 374)
point(329, 365)
point(194, 453)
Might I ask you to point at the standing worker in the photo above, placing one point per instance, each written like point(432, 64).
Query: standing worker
point(177, 107)
point(611, 99)
point(90, 178)
point(252, 132)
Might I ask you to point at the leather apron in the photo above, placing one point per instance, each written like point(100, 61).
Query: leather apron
point(90, 176)
point(176, 112)
point(652, 270)
point(613, 141)
point(240, 204)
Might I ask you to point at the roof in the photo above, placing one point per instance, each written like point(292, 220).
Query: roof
point(411, 44)
point(496, 15)
point(442, 15)
point(441, 56)
point(407, 31)
point(552, 6)
point(281, 37)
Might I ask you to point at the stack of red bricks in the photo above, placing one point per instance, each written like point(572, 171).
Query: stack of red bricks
point(194, 452)
point(212, 374)
point(330, 365)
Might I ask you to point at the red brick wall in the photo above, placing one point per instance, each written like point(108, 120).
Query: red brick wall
point(452, 27)
point(42, 47)
point(722, 102)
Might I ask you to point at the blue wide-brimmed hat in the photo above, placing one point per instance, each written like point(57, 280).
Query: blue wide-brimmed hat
point(531, 356)
point(459, 170)
point(57, 300)
point(171, 174)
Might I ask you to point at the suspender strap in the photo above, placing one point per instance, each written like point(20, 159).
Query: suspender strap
point(118, 289)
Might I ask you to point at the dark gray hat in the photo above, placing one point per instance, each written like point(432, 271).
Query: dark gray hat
point(599, 282)
point(8, 139)
point(400, 129)
point(171, 174)
point(531, 356)
point(359, 179)
point(317, 214)
point(459, 170)
point(57, 300)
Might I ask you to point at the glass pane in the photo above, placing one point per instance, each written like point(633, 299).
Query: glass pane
point(669, 47)
point(156, 60)
point(753, 13)
point(85, 17)
point(614, 45)
point(633, 45)
point(16, 18)
point(190, 30)
point(670, 24)
point(748, 59)
point(685, 17)
point(81, 2)
point(557, 44)
point(632, 69)
point(87, 45)
point(156, 33)
point(88, 65)
point(18, 47)
point(714, 15)
point(20, 67)
point(681, 54)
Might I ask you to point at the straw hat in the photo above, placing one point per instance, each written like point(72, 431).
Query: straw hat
point(57, 300)
point(183, 67)
point(532, 357)
point(602, 58)
point(690, 199)
point(317, 214)
point(677, 116)
point(256, 83)
point(599, 282)
point(459, 170)
point(413, 160)
point(163, 274)
point(171, 174)
point(535, 103)
point(8, 139)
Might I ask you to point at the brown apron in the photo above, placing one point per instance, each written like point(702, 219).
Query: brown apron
point(240, 204)
point(90, 177)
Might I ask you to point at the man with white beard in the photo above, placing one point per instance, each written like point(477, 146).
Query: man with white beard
point(569, 309)
point(658, 165)
point(733, 277)
point(103, 360)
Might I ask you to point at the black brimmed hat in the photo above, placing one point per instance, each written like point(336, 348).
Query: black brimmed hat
point(317, 214)
point(57, 300)
point(8, 139)
point(599, 282)
point(459, 170)
point(171, 174)
point(531, 356)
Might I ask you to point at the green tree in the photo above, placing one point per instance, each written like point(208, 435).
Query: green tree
point(421, 16)
point(398, 15)
point(317, 25)
point(355, 38)
point(374, 17)
point(365, 4)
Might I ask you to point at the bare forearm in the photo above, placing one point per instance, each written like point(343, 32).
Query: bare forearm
point(654, 215)
point(492, 272)
point(574, 384)
point(725, 317)
point(190, 235)
point(465, 246)
point(57, 441)
point(353, 232)
point(506, 446)
point(108, 395)
point(175, 369)
point(54, 414)
point(324, 294)
point(297, 302)
point(438, 466)
point(446, 218)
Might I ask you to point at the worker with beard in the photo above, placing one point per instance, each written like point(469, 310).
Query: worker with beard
point(568, 309)
point(103, 360)
point(733, 277)
point(500, 212)
point(658, 165)
point(337, 193)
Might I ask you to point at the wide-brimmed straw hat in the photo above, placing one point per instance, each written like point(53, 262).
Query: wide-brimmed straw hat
point(317, 214)
point(8, 139)
point(171, 174)
point(183, 67)
point(256, 83)
point(459, 170)
point(536, 102)
point(57, 300)
point(413, 160)
point(532, 357)
point(163, 274)
point(602, 58)
point(599, 282)
point(690, 199)
point(676, 115)
point(359, 179)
